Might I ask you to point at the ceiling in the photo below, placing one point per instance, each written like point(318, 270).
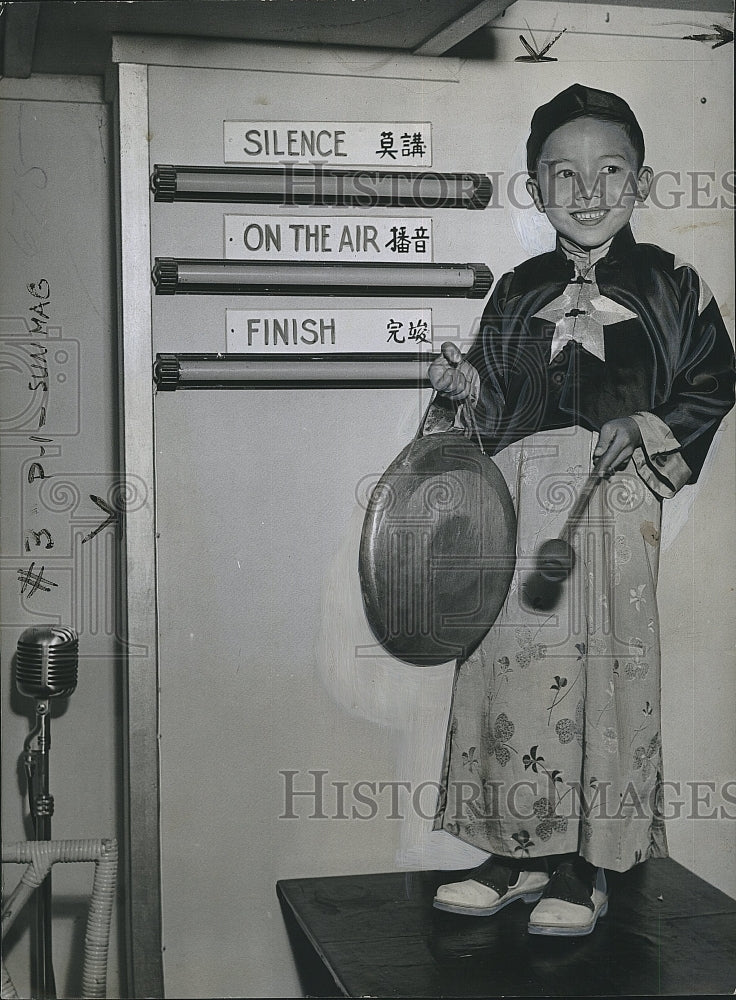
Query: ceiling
point(66, 36)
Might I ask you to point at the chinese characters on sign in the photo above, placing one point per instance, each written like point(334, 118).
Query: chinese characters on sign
point(413, 145)
point(417, 332)
point(406, 144)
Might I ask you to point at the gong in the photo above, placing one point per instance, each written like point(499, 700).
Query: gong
point(437, 550)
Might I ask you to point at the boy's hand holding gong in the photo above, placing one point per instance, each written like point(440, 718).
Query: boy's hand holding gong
point(453, 377)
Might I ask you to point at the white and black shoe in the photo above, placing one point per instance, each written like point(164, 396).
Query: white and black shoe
point(575, 897)
point(495, 884)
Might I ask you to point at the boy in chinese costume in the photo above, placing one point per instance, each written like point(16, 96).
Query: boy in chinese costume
point(604, 355)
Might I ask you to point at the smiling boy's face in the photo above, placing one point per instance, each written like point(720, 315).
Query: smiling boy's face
point(589, 180)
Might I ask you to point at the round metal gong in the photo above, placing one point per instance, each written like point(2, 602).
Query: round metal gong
point(437, 550)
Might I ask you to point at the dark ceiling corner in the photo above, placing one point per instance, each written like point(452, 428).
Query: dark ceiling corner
point(480, 45)
point(20, 23)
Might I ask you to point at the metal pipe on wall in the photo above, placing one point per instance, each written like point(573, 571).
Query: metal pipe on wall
point(289, 185)
point(172, 276)
point(252, 371)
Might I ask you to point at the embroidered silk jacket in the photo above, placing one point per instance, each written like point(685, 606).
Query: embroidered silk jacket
point(668, 358)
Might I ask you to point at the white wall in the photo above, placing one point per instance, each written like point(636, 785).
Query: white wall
point(256, 496)
point(55, 227)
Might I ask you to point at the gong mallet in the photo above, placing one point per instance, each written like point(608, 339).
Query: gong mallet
point(554, 560)
point(46, 668)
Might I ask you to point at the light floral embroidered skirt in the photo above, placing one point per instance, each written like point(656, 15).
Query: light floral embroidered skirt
point(553, 743)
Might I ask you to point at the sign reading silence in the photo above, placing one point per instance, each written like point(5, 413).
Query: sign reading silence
point(398, 144)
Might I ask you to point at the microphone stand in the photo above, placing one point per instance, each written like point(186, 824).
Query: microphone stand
point(36, 762)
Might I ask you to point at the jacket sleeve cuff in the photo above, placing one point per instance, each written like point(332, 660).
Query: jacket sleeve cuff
point(658, 460)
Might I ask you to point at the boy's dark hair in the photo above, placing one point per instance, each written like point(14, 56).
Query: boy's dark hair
point(581, 102)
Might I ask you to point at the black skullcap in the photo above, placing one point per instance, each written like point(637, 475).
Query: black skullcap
point(576, 102)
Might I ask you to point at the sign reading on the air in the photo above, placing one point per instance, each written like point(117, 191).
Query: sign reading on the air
point(328, 331)
point(254, 237)
point(391, 144)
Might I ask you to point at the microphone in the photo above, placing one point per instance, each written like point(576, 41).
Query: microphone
point(46, 663)
point(45, 668)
